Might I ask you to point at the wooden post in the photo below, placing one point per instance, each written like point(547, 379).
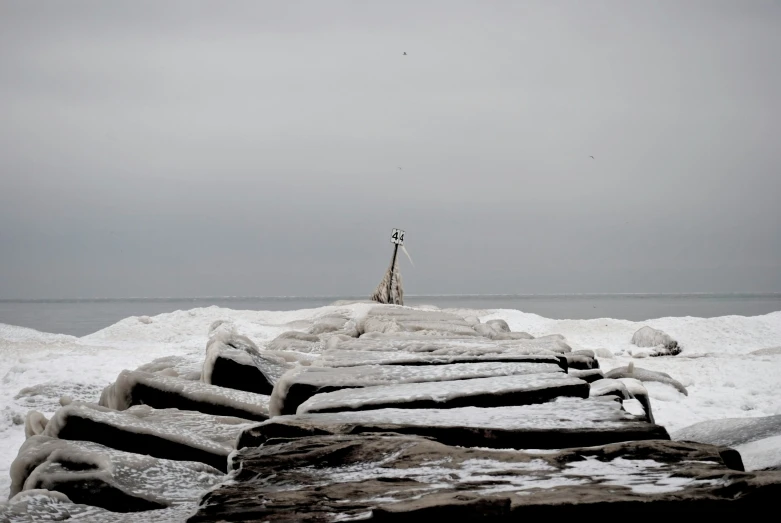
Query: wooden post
point(393, 268)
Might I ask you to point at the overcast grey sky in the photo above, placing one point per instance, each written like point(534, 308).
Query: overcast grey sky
point(188, 148)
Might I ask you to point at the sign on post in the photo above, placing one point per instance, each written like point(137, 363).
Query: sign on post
point(397, 237)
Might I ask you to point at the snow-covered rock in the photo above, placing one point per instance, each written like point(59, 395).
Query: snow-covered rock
point(166, 392)
point(757, 439)
point(630, 371)
point(649, 337)
point(165, 433)
point(407, 478)
point(562, 423)
point(351, 358)
point(497, 391)
point(94, 474)
point(302, 383)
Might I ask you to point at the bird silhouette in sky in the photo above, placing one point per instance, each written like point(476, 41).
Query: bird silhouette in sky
point(592, 157)
point(405, 53)
point(399, 168)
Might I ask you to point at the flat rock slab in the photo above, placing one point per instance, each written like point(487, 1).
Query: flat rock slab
point(497, 391)
point(448, 345)
point(349, 358)
point(167, 434)
point(405, 478)
point(562, 423)
point(757, 439)
point(93, 474)
point(304, 382)
point(167, 392)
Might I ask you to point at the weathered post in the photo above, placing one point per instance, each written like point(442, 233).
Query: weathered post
point(385, 292)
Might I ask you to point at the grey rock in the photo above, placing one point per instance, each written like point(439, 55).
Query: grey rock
point(406, 478)
point(565, 422)
point(650, 337)
point(499, 325)
point(166, 392)
point(94, 474)
point(164, 433)
point(496, 391)
point(630, 371)
point(589, 375)
point(731, 431)
point(352, 358)
point(304, 382)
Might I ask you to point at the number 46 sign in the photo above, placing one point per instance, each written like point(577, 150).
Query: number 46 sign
point(397, 237)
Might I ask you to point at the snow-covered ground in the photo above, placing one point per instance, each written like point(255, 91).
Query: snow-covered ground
point(723, 378)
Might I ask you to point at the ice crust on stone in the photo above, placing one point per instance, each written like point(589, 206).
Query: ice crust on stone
point(493, 391)
point(165, 433)
point(159, 391)
point(350, 358)
point(76, 467)
point(308, 381)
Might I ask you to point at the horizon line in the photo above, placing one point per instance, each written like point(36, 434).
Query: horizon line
point(355, 296)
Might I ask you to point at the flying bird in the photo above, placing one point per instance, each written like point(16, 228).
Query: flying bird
point(592, 157)
point(405, 53)
point(399, 168)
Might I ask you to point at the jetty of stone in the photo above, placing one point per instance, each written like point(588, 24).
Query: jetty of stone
point(400, 415)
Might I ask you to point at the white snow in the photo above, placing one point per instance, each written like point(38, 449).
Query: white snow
point(723, 378)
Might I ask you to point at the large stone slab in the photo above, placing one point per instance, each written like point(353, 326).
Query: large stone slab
point(447, 346)
point(168, 392)
point(565, 422)
point(496, 391)
point(302, 383)
point(350, 358)
point(404, 478)
point(757, 439)
point(47, 505)
point(93, 474)
point(166, 433)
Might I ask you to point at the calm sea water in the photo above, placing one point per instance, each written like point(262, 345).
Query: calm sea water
point(81, 317)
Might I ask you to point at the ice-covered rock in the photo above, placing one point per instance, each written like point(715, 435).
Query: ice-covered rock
point(165, 433)
point(769, 351)
point(640, 393)
point(757, 439)
point(565, 422)
point(34, 423)
point(446, 345)
point(499, 325)
point(351, 358)
point(603, 353)
point(296, 341)
point(654, 338)
point(497, 391)
point(47, 505)
point(166, 392)
point(609, 387)
point(94, 474)
point(630, 371)
point(388, 319)
point(407, 478)
point(589, 375)
point(177, 366)
point(581, 361)
point(235, 362)
point(304, 382)
point(513, 336)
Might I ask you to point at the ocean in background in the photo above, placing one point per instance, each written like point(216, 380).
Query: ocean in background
point(80, 317)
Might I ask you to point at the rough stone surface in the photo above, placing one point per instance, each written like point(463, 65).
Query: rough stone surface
point(565, 422)
point(166, 433)
point(119, 481)
point(404, 478)
point(350, 358)
point(630, 371)
point(650, 337)
point(496, 391)
point(302, 383)
point(167, 392)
